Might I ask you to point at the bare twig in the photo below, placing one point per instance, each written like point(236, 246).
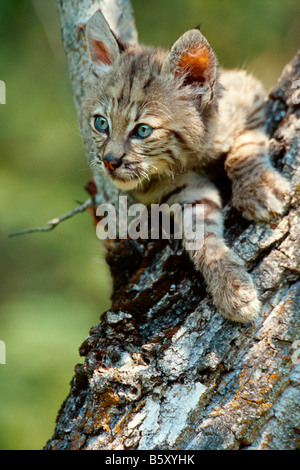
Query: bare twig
point(55, 222)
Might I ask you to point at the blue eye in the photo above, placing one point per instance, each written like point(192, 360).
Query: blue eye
point(143, 131)
point(101, 124)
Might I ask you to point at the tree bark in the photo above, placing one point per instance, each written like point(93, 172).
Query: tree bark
point(163, 369)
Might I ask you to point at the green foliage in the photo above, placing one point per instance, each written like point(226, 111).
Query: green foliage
point(259, 34)
point(55, 286)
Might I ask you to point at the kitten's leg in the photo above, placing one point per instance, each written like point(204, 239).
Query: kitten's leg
point(259, 192)
point(224, 272)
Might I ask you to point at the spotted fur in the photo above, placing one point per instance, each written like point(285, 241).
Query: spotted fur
point(197, 112)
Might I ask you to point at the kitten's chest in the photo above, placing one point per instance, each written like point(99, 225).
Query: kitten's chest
point(156, 191)
point(159, 191)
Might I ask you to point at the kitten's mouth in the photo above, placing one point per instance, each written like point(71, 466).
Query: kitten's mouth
point(125, 175)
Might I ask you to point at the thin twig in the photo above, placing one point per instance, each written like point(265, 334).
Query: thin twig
point(55, 222)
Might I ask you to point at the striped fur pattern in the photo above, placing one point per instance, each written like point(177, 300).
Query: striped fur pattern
point(194, 113)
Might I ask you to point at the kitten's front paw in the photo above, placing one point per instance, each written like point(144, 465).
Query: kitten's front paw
point(263, 198)
point(234, 293)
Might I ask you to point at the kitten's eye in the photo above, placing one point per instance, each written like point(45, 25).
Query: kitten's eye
point(101, 124)
point(143, 131)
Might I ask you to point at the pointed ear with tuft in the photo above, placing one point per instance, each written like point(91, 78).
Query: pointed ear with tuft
point(192, 60)
point(102, 45)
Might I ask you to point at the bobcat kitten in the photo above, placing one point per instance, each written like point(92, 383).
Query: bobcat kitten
point(160, 120)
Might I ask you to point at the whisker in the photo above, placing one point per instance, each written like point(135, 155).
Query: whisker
point(84, 169)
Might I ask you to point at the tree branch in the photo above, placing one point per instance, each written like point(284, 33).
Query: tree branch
point(163, 369)
point(52, 224)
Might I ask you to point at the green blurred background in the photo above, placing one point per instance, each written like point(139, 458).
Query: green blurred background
point(54, 286)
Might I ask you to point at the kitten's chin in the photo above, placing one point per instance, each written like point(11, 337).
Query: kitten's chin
point(127, 185)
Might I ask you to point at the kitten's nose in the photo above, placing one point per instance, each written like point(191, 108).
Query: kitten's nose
point(111, 162)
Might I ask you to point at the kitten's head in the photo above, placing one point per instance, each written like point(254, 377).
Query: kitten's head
point(148, 109)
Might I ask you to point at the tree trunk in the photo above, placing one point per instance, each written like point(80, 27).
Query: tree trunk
point(163, 369)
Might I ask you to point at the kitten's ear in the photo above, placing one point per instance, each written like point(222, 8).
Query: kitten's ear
point(102, 45)
point(192, 59)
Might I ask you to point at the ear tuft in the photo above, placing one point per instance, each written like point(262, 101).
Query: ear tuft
point(102, 44)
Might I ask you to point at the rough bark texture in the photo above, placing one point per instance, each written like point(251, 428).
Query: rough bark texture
point(163, 369)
